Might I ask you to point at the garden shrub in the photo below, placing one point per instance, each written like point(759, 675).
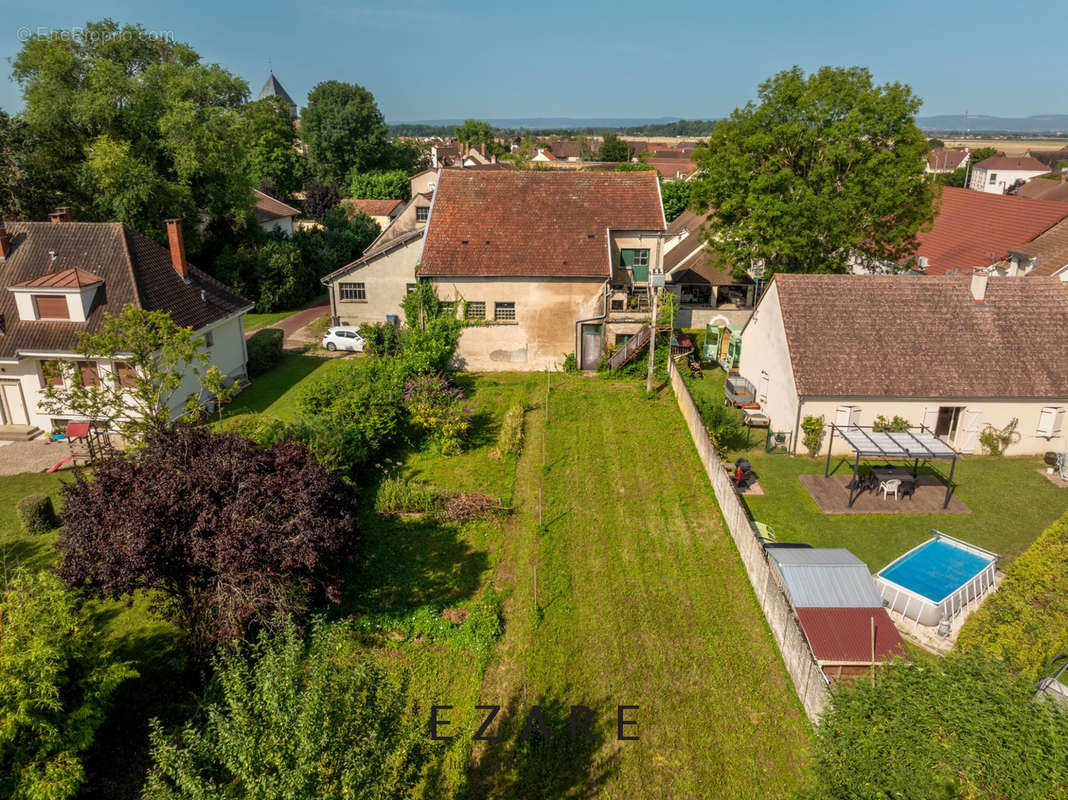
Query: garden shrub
point(895, 425)
point(960, 727)
point(439, 408)
point(36, 514)
point(381, 338)
point(1025, 621)
point(721, 421)
point(264, 350)
point(813, 430)
point(287, 718)
point(570, 364)
point(57, 682)
point(510, 437)
point(397, 495)
point(224, 534)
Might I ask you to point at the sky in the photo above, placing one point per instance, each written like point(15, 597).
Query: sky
point(450, 59)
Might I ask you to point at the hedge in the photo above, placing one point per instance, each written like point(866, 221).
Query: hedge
point(37, 514)
point(1026, 620)
point(264, 350)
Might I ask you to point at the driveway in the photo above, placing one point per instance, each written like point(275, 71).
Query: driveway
point(291, 325)
point(33, 456)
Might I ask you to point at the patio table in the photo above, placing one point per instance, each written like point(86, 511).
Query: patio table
point(883, 474)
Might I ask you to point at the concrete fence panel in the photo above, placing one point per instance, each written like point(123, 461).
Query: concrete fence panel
point(809, 681)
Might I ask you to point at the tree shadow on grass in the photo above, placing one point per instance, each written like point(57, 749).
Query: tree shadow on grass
point(166, 688)
point(29, 552)
point(413, 561)
point(563, 759)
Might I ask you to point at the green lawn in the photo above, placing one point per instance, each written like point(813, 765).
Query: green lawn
point(1011, 503)
point(641, 600)
point(276, 392)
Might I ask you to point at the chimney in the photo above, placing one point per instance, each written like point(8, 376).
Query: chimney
point(482, 148)
point(61, 214)
point(5, 242)
point(177, 243)
point(979, 287)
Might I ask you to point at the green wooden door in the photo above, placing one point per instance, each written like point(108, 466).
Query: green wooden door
point(640, 272)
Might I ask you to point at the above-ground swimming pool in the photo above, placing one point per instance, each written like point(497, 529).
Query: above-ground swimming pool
point(937, 580)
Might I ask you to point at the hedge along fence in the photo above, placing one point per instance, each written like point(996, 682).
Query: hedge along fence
point(1025, 621)
point(809, 681)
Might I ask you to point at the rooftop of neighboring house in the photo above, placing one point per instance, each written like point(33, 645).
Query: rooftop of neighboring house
point(535, 223)
point(942, 159)
point(1045, 187)
point(689, 260)
point(371, 206)
point(940, 341)
point(977, 229)
point(270, 208)
point(1048, 250)
point(1011, 163)
point(408, 221)
point(1050, 157)
point(672, 167)
point(133, 269)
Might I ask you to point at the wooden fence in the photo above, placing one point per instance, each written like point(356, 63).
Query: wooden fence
point(809, 681)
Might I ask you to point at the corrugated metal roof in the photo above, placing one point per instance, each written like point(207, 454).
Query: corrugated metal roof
point(844, 634)
point(825, 577)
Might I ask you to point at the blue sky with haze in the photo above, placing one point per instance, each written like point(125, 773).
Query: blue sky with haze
point(457, 59)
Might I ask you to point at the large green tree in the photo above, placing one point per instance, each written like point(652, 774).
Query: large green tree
point(129, 125)
point(475, 133)
point(343, 131)
point(614, 149)
point(391, 185)
point(826, 168)
point(287, 719)
point(57, 681)
point(274, 162)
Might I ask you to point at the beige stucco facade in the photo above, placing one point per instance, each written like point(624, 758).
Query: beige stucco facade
point(765, 361)
point(386, 278)
point(544, 329)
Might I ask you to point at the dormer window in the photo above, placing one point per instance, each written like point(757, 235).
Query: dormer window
point(64, 295)
point(422, 213)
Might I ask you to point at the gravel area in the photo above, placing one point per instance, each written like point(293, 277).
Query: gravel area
point(34, 456)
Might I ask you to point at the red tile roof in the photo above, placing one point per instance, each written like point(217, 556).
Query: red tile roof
point(64, 279)
point(535, 222)
point(269, 208)
point(1050, 250)
point(941, 159)
point(1011, 162)
point(845, 634)
point(937, 342)
point(977, 229)
point(370, 206)
point(1042, 188)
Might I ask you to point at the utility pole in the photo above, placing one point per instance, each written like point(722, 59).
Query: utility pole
point(656, 282)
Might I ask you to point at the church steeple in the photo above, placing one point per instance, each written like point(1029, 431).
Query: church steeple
point(273, 88)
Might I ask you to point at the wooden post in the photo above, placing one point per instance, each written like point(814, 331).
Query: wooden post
point(652, 346)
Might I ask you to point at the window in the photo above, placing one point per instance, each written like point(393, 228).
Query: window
point(51, 306)
point(619, 305)
point(209, 339)
point(422, 213)
point(637, 261)
point(125, 375)
point(993, 177)
point(504, 311)
point(476, 309)
point(51, 374)
point(641, 258)
point(352, 291)
point(409, 288)
point(87, 370)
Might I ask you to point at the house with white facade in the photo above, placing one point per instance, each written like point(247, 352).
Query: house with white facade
point(272, 214)
point(61, 278)
point(941, 161)
point(999, 174)
point(954, 353)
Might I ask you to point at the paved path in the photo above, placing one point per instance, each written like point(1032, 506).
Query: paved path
point(294, 322)
point(34, 456)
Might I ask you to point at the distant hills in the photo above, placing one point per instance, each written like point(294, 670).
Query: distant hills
point(1045, 124)
point(977, 123)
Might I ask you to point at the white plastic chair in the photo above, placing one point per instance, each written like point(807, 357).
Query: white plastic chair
point(886, 487)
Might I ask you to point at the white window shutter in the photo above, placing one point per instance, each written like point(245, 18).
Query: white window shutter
point(846, 416)
point(930, 417)
point(969, 435)
point(1050, 421)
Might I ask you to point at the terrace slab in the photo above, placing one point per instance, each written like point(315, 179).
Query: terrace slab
point(832, 497)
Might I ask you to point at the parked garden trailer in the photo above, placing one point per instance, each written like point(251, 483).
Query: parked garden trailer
point(739, 391)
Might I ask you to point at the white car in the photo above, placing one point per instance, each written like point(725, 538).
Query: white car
point(343, 338)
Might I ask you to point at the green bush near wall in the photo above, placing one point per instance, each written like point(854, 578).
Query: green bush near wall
point(1025, 622)
point(264, 350)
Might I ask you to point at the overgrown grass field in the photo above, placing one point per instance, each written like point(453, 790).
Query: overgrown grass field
point(623, 588)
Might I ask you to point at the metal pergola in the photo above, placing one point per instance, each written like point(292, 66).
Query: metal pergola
point(893, 445)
